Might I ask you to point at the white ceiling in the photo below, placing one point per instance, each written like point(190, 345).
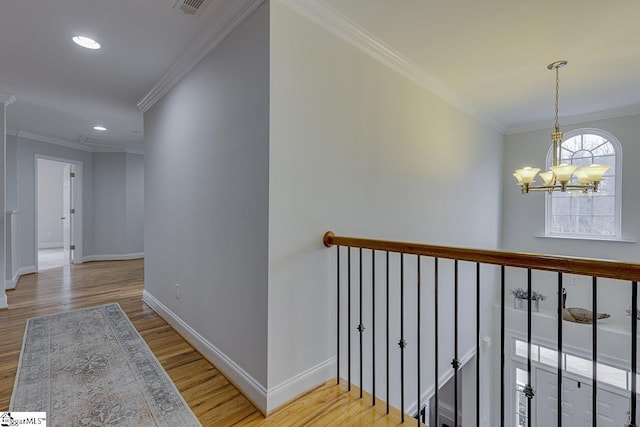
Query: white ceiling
point(494, 53)
point(63, 90)
point(491, 54)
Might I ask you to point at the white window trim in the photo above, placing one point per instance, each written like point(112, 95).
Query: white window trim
point(618, 199)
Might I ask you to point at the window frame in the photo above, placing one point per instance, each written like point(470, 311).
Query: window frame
point(618, 189)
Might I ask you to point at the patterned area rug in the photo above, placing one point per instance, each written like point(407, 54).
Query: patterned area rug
point(90, 367)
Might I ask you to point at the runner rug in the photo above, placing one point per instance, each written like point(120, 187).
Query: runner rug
point(90, 367)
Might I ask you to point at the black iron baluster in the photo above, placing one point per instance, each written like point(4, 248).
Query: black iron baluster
point(478, 344)
point(373, 327)
point(349, 317)
point(634, 352)
point(338, 317)
point(402, 343)
point(560, 309)
point(502, 326)
point(361, 325)
point(528, 390)
point(455, 363)
point(418, 342)
point(387, 340)
point(594, 365)
point(435, 316)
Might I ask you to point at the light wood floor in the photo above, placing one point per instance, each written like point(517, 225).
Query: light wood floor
point(211, 397)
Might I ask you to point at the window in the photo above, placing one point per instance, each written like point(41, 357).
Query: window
point(607, 374)
point(591, 215)
point(521, 398)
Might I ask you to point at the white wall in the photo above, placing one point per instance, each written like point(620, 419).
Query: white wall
point(50, 206)
point(361, 150)
point(206, 198)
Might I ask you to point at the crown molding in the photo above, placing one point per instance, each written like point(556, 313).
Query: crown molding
point(333, 21)
point(577, 119)
point(92, 146)
point(225, 19)
point(6, 98)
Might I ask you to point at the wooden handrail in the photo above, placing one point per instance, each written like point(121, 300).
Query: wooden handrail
point(560, 264)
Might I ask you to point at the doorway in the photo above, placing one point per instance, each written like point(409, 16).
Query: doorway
point(57, 198)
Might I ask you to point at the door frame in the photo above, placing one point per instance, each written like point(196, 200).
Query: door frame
point(76, 201)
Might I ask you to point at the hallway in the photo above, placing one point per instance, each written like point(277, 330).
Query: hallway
point(51, 258)
point(214, 400)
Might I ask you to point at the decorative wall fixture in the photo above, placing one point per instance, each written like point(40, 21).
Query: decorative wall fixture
point(562, 176)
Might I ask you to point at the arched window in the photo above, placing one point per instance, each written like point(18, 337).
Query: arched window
point(590, 215)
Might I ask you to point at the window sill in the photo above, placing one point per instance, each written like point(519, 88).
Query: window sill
point(598, 239)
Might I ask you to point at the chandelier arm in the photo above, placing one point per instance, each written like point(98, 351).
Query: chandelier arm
point(560, 187)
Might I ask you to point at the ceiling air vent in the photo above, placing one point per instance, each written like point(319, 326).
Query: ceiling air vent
point(190, 7)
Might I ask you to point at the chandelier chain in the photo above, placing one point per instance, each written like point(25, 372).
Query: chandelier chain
point(562, 176)
point(557, 95)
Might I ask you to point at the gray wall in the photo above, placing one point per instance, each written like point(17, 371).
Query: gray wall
point(50, 206)
point(207, 196)
point(524, 216)
point(109, 203)
point(359, 149)
point(135, 203)
point(11, 192)
point(523, 226)
point(106, 178)
point(12, 167)
point(246, 160)
point(26, 191)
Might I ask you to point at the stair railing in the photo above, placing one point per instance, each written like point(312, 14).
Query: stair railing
point(561, 265)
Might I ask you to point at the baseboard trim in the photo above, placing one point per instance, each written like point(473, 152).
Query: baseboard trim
point(13, 282)
point(120, 257)
point(300, 384)
point(3, 301)
point(245, 383)
point(53, 245)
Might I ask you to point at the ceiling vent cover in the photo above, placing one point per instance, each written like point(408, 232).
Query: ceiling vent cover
point(190, 7)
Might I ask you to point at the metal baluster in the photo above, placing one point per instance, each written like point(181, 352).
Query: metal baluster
point(349, 317)
point(528, 390)
point(435, 316)
point(560, 307)
point(502, 326)
point(361, 325)
point(455, 363)
point(387, 340)
point(373, 327)
point(478, 344)
point(594, 365)
point(402, 343)
point(418, 342)
point(634, 352)
point(338, 316)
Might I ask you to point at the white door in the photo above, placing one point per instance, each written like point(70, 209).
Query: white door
point(576, 403)
point(66, 213)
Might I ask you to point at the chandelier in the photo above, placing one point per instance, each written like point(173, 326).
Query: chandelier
point(563, 176)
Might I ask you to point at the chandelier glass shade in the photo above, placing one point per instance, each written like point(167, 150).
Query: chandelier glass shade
point(562, 176)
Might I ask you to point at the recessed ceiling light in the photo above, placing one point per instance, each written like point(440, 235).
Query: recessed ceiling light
point(99, 128)
point(86, 42)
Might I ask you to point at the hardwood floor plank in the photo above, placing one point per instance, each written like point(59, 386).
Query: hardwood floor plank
point(209, 394)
